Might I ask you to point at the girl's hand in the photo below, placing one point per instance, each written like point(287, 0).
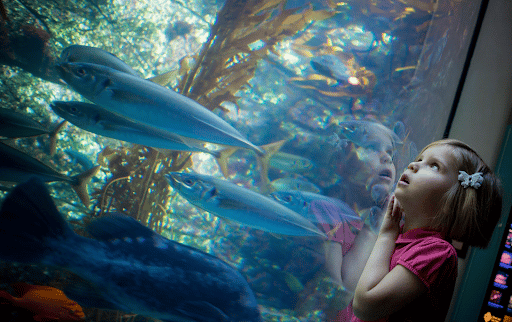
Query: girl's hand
point(391, 222)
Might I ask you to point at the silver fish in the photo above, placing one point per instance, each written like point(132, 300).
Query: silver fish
point(366, 134)
point(228, 200)
point(127, 266)
point(16, 166)
point(290, 162)
point(294, 184)
point(303, 202)
point(155, 106)
point(94, 55)
point(331, 66)
point(96, 119)
point(17, 125)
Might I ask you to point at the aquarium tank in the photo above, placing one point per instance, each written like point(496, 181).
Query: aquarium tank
point(265, 133)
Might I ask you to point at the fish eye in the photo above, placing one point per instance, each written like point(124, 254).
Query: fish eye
point(80, 72)
point(287, 198)
point(189, 182)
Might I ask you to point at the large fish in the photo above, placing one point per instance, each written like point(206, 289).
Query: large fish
point(16, 166)
point(228, 200)
point(305, 203)
point(95, 55)
point(127, 267)
point(155, 106)
point(17, 125)
point(96, 119)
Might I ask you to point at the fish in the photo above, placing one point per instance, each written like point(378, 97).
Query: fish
point(290, 162)
point(95, 55)
point(80, 159)
point(228, 200)
point(95, 119)
point(125, 265)
point(294, 184)
point(366, 134)
point(155, 106)
point(16, 166)
point(45, 303)
point(302, 202)
point(17, 125)
point(333, 67)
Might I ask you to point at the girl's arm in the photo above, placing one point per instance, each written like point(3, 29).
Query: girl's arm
point(381, 292)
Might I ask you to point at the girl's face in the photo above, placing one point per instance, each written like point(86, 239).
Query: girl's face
point(425, 181)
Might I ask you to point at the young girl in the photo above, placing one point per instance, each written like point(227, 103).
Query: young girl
point(447, 193)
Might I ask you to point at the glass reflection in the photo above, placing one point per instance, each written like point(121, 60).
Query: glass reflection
point(338, 94)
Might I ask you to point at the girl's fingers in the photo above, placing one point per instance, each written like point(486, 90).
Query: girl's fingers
point(391, 204)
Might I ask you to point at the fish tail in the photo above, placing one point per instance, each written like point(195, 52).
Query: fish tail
point(28, 218)
point(80, 185)
point(53, 137)
point(6, 296)
point(222, 159)
point(263, 161)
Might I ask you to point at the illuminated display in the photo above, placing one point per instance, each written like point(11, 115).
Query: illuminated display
point(497, 306)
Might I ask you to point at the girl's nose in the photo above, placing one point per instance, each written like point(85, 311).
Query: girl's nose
point(413, 166)
point(385, 157)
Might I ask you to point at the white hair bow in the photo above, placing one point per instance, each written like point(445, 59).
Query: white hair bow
point(475, 180)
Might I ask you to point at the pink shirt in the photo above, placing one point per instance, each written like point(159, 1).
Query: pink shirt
point(434, 261)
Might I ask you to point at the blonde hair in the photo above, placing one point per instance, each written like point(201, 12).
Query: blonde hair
point(469, 215)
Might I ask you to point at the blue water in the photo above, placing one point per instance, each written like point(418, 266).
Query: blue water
point(350, 123)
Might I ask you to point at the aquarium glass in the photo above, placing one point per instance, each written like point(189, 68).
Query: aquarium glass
point(322, 103)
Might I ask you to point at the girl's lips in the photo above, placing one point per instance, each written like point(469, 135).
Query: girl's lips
point(385, 174)
point(404, 179)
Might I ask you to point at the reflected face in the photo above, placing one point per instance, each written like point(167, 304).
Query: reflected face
point(426, 180)
point(375, 171)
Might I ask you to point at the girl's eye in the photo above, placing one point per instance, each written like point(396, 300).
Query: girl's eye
point(434, 166)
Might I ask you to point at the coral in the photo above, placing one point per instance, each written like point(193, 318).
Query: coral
point(27, 48)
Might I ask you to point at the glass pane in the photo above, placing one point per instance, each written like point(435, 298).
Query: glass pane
point(292, 122)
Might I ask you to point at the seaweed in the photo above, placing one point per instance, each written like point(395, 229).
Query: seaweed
point(244, 32)
point(137, 186)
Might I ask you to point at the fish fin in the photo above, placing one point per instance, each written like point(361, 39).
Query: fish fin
point(80, 186)
point(28, 217)
point(21, 288)
point(87, 295)
point(165, 78)
point(222, 159)
point(6, 296)
point(203, 311)
point(263, 163)
point(53, 137)
point(249, 145)
point(117, 225)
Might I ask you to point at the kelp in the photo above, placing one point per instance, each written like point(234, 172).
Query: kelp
point(225, 64)
point(244, 32)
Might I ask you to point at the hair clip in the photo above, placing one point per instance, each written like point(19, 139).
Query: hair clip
point(475, 180)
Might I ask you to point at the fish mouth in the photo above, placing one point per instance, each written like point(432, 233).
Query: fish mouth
point(171, 179)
